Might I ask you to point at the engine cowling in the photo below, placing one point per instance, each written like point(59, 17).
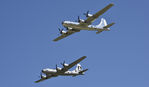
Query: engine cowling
point(43, 77)
point(65, 65)
point(62, 31)
point(58, 68)
point(69, 28)
point(87, 14)
point(80, 20)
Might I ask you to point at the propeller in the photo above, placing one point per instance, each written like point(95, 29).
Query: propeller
point(60, 30)
point(40, 74)
point(63, 63)
point(56, 67)
point(78, 18)
point(86, 14)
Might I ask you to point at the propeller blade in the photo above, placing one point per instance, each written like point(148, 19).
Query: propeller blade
point(78, 17)
point(59, 29)
point(87, 12)
point(40, 74)
point(56, 66)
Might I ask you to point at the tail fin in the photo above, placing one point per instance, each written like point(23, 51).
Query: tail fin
point(78, 68)
point(103, 23)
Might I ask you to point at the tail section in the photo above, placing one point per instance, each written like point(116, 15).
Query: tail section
point(104, 26)
point(78, 68)
point(82, 72)
point(103, 23)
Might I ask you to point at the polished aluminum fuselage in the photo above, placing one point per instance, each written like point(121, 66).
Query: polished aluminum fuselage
point(81, 26)
point(55, 72)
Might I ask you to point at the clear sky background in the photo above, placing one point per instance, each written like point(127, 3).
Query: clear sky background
point(116, 58)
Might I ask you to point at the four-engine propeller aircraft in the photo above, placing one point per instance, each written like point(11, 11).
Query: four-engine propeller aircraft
point(49, 73)
point(73, 27)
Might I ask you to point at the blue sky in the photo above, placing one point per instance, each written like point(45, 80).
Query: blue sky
point(116, 58)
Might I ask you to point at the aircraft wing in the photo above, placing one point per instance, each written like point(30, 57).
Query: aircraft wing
point(42, 79)
point(69, 32)
point(66, 68)
point(89, 20)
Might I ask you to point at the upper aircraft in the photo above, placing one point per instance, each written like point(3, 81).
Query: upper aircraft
point(73, 27)
point(49, 73)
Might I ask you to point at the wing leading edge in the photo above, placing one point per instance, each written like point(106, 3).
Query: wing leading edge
point(89, 20)
point(66, 68)
point(42, 79)
point(69, 32)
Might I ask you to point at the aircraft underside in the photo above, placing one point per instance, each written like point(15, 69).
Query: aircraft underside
point(79, 27)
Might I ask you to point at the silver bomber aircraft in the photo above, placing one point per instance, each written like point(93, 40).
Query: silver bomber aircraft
point(73, 27)
point(49, 73)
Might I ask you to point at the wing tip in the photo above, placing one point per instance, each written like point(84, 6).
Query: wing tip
point(36, 82)
point(54, 40)
point(83, 57)
point(111, 4)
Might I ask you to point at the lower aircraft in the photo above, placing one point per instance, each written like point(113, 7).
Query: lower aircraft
point(49, 73)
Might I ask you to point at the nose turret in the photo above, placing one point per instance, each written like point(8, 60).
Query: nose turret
point(43, 70)
point(62, 22)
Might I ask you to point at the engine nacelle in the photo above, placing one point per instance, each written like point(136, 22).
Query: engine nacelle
point(81, 21)
point(63, 32)
point(65, 65)
point(89, 15)
point(58, 68)
point(69, 28)
point(44, 77)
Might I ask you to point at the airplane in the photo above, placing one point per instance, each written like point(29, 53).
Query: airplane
point(49, 73)
point(73, 27)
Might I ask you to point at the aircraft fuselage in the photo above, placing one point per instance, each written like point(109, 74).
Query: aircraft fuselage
point(83, 26)
point(54, 72)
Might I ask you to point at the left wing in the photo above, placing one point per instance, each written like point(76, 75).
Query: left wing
point(66, 68)
point(89, 20)
point(69, 32)
point(42, 79)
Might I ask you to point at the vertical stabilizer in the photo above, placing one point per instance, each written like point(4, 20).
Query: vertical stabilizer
point(102, 24)
point(78, 68)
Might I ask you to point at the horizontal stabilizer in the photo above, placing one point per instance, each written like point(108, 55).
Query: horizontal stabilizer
point(81, 72)
point(109, 25)
point(98, 32)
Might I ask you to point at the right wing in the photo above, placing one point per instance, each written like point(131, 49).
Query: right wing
point(69, 32)
point(66, 68)
point(89, 20)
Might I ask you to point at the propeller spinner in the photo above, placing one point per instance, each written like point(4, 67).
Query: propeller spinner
point(87, 14)
point(64, 64)
point(60, 30)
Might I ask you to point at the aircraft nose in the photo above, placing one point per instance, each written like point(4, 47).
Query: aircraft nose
point(62, 22)
point(42, 70)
